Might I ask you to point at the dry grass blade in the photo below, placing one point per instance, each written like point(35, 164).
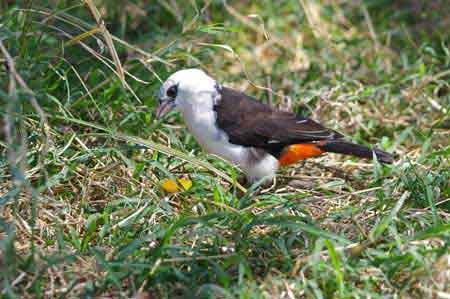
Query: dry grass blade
point(317, 25)
point(82, 36)
point(108, 40)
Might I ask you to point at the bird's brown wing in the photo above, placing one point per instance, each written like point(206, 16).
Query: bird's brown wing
point(251, 123)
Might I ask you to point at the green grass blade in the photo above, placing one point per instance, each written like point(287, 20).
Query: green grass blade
point(379, 229)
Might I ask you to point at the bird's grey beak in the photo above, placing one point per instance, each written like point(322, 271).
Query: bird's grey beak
point(165, 106)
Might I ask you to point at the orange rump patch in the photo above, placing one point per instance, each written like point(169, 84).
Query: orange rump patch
point(296, 152)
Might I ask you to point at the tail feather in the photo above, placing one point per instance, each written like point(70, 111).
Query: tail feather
point(348, 148)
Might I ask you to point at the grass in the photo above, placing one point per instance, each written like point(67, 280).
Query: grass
point(82, 213)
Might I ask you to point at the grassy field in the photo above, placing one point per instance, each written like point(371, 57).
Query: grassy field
point(82, 212)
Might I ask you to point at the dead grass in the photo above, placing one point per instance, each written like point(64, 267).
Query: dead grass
point(82, 211)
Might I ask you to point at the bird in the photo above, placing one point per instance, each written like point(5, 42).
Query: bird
point(256, 137)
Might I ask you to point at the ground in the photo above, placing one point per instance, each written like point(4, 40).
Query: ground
point(82, 210)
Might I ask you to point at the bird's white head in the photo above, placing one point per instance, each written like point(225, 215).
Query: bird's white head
point(186, 90)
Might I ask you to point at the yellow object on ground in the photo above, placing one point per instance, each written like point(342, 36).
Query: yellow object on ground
point(170, 186)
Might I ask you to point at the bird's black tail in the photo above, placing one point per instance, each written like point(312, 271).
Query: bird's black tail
point(348, 148)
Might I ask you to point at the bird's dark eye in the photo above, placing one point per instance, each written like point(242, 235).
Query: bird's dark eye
point(172, 91)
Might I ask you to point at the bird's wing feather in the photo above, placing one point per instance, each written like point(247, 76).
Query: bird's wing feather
point(251, 123)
